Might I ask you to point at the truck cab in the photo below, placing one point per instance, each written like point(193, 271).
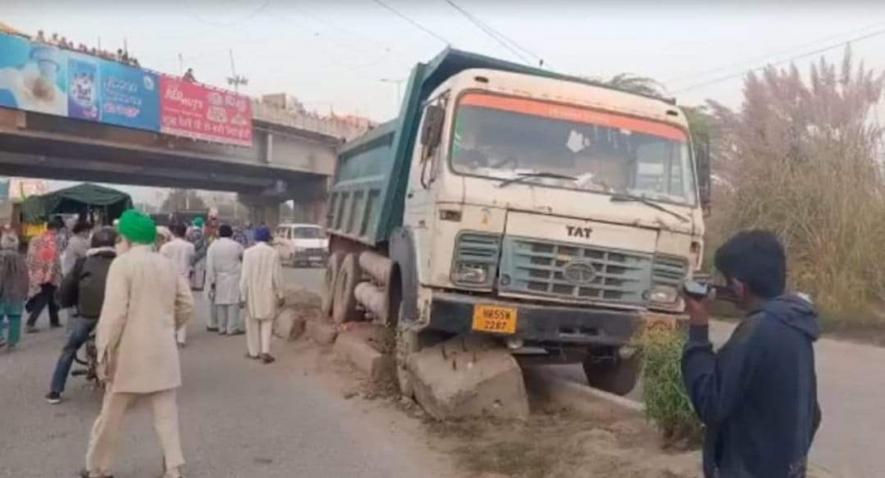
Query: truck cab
point(557, 215)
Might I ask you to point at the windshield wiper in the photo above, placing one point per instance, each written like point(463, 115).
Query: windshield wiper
point(539, 174)
point(625, 197)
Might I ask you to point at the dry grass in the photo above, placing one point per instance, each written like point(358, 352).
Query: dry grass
point(801, 159)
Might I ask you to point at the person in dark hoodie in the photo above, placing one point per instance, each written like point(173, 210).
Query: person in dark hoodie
point(83, 287)
point(757, 395)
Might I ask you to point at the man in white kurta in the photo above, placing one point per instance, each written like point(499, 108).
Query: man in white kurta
point(223, 264)
point(145, 302)
point(181, 253)
point(261, 288)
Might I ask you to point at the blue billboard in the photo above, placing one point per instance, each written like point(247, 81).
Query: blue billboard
point(45, 79)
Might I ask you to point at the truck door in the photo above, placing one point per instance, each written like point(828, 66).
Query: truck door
point(420, 193)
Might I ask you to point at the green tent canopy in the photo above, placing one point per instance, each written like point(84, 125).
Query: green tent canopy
point(79, 199)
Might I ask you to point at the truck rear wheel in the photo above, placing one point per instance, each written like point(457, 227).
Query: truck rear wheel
point(344, 305)
point(608, 371)
point(332, 265)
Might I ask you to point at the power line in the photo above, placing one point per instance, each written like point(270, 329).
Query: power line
point(758, 58)
point(780, 62)
point(260, 8)
point(496, 35)
point(413, 22)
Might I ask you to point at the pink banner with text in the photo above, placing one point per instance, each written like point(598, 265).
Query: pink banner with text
point(196, 111)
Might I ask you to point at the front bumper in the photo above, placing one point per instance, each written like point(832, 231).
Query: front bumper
point(550, 324)
point(305, 255)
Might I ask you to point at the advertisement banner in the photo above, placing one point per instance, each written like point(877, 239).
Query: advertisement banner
point(129, 96)
point(33, 76)
point(42, 78)
point(45, 79)
point(196, 111)
point(83, 89)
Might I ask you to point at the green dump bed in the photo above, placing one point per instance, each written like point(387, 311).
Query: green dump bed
point(367, 197)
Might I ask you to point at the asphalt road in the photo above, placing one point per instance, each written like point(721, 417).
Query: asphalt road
point(851, 389)
point(238, 418)
point(241, 419)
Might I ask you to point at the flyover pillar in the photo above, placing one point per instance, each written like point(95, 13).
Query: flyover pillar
point(262, 209)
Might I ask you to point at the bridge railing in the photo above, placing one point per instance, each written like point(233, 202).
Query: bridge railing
point(330, 126)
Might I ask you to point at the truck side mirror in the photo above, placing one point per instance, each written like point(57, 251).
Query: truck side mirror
point(704, 167)
point(431, 130)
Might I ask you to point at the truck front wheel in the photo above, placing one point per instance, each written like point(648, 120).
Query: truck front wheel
point(344, 306)
point(608, 370)
point(332, 265)
point(406, 345)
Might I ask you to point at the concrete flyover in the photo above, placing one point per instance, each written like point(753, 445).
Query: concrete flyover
point(292, 156)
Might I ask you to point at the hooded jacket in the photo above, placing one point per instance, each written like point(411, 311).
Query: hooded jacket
point(757, 395)
point(84, 285)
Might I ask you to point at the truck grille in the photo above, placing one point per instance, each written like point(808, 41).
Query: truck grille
point(529, 266)
point(669, 270)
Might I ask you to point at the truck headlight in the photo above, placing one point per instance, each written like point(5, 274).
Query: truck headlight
point(663, 294)
point(471, 274)
point(475, 259)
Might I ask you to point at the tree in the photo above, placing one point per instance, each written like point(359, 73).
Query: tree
point(802, 155)
point(629, 82)
point(183, 200)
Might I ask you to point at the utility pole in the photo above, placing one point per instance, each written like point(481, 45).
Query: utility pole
point(235, 80)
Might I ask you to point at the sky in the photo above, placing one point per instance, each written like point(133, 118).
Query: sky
point(349, 56)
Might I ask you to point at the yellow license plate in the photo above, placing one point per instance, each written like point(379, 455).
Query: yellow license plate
point(660, 323)
point(493, 318)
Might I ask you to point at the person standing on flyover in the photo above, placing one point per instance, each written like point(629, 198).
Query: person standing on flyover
point(83, 287)
point(223, 264)
point(261, 288)
point(13, 287)
point(146, 301)
point(181, 253)
point(44, 269)
point(758, 394)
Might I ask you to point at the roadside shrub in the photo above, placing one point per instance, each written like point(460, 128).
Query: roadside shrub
point(666, 402)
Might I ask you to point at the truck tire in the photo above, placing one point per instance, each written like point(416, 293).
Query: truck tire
point(608, 371)
point(332, 266)
point(406, 345)
point(344, 305)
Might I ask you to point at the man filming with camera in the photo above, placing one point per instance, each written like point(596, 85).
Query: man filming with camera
point(757, 395)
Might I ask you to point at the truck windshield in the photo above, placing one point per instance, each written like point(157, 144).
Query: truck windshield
point(505, 138)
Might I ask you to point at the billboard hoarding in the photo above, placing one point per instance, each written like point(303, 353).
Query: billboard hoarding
point(45, 79)
point(197, 111)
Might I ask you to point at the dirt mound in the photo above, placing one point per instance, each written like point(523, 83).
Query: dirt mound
point(560, 444)
point(299, 306)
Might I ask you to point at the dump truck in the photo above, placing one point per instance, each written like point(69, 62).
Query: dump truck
point(557, 216)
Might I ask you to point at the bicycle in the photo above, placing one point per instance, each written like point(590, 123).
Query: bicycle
point(90, 361)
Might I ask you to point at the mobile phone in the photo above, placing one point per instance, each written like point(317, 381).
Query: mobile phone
point(696, 290)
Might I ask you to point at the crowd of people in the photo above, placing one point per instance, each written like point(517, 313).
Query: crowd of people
point(121, 55)
point(130, 287)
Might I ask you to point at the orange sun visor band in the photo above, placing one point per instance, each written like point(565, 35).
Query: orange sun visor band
point(572, 113)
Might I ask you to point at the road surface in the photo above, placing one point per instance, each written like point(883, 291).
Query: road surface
point(238, 418)
point(851, 389)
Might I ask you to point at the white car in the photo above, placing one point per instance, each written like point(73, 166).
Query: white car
point(302, 244)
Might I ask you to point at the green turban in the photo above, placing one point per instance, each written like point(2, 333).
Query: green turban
point(198, 222)
point(138, 227)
